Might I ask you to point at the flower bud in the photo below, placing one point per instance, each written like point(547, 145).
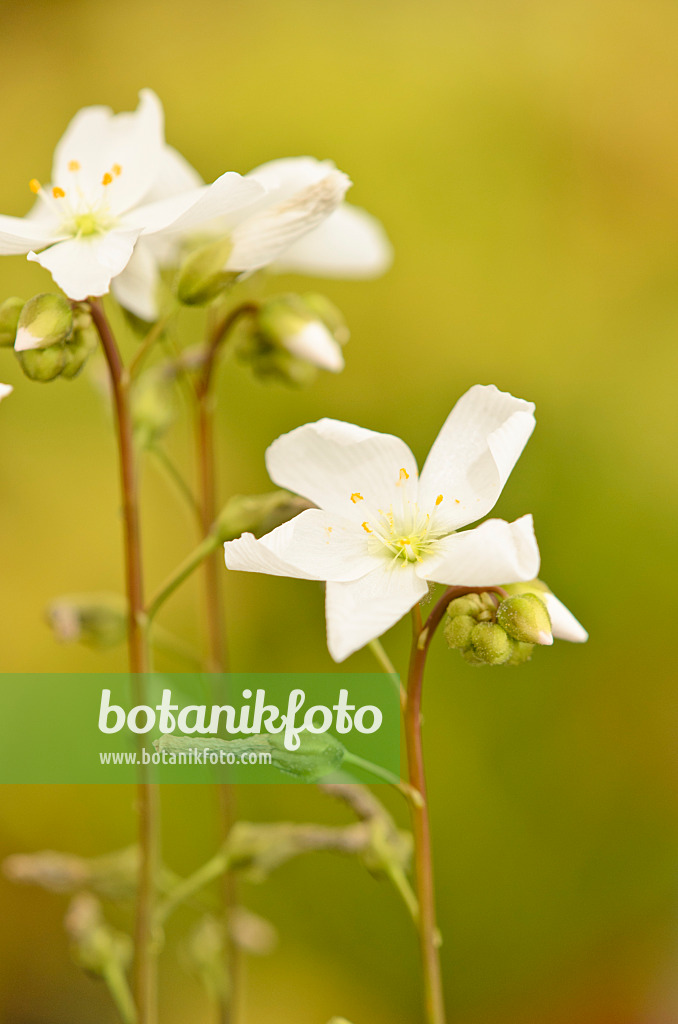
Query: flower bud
point(490, 644)
point(520, 653)
point(45, 320)
point(10, 311)
point(257, 513)
point(329, 314)
point(287, 321)
point(536, 587)
point(96, 620)
point(81, 344)
point(457, 631)
point(43, 364)
point(469, 604)
point(153, 407)
point(271, 361)
point(96, 946)
point(525, 618)
point(203, 276)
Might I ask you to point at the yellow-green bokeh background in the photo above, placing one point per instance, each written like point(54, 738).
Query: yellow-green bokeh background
point(523, 156)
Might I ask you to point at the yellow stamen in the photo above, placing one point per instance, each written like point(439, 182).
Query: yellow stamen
point(456, 501)
point(404, 475)
point(34, 185)
point(58, 193)
point(366, 528)
point(356, 496)
point(73, 165)
point(439, 499)
point(107, 179)
point(117, 170)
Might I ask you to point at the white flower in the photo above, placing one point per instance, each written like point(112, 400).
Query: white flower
point(380, 531)
point(300, 224)
point(5, 389)
point(113, 180)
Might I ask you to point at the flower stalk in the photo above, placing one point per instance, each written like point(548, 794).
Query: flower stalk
point(145, 973)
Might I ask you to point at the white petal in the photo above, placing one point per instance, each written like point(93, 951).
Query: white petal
point(358, 612)
point(98, 140)
point(346, 469)
point(5, 389)
point(494, 553)
point(284, 177)
point(136, 288)
point(174, 175)
point(316, 345)
point(563, 623)
point(84, 266)
point(263, 238)
point(19, 235)
point(229, 193)
point(474, 454)
point(351, 243)
point(312, 546)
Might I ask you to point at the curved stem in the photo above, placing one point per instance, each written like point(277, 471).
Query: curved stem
point(181, 573)
point(174, 474)
point(145, 961)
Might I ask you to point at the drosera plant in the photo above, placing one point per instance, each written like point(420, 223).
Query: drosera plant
point(126, 222)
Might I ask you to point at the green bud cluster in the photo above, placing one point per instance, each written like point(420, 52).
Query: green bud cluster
point(52, 338)
point(489, 630)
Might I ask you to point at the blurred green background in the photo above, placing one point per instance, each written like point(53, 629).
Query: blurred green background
point(522, 155)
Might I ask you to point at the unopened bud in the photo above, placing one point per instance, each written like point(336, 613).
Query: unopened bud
point(536, 587)
point(520, 653)
point(288, 321)
point(457, 631)
point(153, 407)
point(490, 644)
point(526, 618)
point(469, 604)
point(203, 276)
point(96, 620)
point(45, 320)
point(81, 344)
point(43, 364)
point(10, 311)
point(96, 946)
point(257, 513)
point(330, 315)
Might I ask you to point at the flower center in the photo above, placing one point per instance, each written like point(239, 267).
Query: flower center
point(403, 535)
point(82, 213)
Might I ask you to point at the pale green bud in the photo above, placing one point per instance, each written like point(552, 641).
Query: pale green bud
point(10, 311)
point(153, 407)
point(330, 315)
point(271, 361)
point(457, 631)
point(96, 620)
point(81, 344)
point(526, 618)
point(318, 755)
point(45, 320)
point(43, 364)
point(203, 275)
point(536, 587)
point(469, 604)
point(520, 653)
point(257, 513)
point(96, 946)
point(490, 644)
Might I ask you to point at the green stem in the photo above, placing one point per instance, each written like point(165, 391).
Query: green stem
point(174, 474)
point(209, 872)
point(181, 573)
point(121, 995)
point(382, 657)
point(154, 333)
point(384, 774)
point(145, 973)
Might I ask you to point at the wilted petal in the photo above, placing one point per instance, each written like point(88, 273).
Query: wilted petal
point(84, 266)
point(362, 610)
point(346, 469)
point(563, 623)
point(312, 546)
point(495, 552)
point(351, 243)
point(474, 453)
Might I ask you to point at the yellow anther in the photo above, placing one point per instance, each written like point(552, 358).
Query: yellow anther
point(73, 165)
point(34, 185)
point(439, 499)
point(117, 170)
point(456, 501)
point(404, 475)
point(356, 496)
point(366, 528)
point(58, 193)
point(107, 179)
